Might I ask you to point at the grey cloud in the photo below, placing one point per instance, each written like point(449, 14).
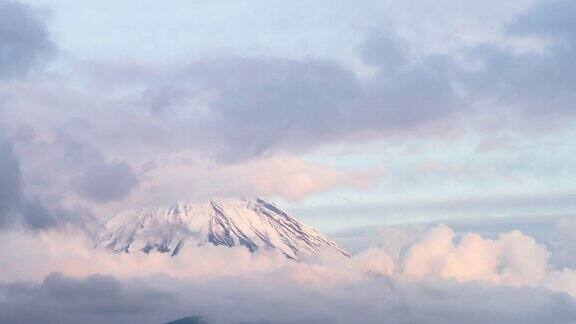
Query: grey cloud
point(95, 299)
point(409, 97)
point(106, 299)
point(238, 108)
point(24, 39)
point(24, 45)
point(92, 175)
point(263, 106)
point(235, 108)
point(383, 49)
point(553, 18)
point(106, 182)
point(10, 186)
point(257, 105)
point(17, 208)
point(71, 165)
point(538, 85)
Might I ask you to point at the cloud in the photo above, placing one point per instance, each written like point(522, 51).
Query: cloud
point(438, 277)
point(252, 107)
point(98, 299)
point(15, 208)
point(24, 39)
point(95, 299)
point(234, 109)
point(231, 285)
point(245, 107)
point(24, 46)
point(286, 176)
point(10, 190)
point(513, 258)
point(107, 181)
point(132, 133)
point(266, 105)
point(553, 19)
point(18, 208)
point(535, 86)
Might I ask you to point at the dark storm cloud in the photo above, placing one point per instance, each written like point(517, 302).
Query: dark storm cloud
point(24, 39)
point(105, 299)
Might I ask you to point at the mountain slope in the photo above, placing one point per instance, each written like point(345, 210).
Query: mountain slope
point(253, 223)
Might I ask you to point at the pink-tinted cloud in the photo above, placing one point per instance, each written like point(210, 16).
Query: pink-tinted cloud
point(286, 176)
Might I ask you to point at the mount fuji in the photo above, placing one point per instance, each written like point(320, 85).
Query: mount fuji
point(253, 223)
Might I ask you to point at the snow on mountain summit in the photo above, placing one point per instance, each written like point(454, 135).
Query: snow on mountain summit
point(253, 223)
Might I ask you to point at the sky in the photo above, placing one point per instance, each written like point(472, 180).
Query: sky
point(328, 107)
point(373, 121)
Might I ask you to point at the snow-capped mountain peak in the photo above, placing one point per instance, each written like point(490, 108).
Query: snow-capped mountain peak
point(253, 223)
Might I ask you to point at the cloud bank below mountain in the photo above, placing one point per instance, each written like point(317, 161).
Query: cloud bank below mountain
point(436, 276)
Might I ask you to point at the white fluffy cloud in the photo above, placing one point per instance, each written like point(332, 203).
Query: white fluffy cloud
point(439, 277)
point(512, 258)
point(287, 176)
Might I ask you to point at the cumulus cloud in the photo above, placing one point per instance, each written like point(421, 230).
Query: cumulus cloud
point(440, 278)
point(512, 258)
